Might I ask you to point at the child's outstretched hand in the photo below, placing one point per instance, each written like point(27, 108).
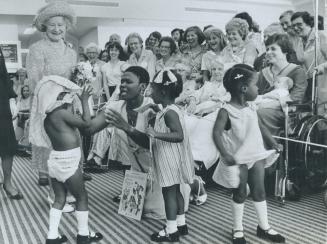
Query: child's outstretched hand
point(86, 93)
point(229, 160)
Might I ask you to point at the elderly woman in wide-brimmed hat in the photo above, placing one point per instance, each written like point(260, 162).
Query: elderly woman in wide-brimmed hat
point(52, 56)
point(49, 56)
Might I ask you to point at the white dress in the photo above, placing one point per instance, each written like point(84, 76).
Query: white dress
point(244, 141)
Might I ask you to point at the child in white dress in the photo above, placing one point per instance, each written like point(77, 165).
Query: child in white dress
point(239, 138)
point(172, 154)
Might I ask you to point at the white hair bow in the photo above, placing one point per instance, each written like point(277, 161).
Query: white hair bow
point(159, 78)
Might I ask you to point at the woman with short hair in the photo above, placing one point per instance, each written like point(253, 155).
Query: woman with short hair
point(278, 50)
point(140, 56)
point(238, 49)
point(217, 42)
point(167, 49)
point(193, 56)
point(303, 25)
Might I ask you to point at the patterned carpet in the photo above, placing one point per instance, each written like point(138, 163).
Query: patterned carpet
point(26, 221)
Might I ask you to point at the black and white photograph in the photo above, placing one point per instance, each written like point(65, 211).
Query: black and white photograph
point(163, 121)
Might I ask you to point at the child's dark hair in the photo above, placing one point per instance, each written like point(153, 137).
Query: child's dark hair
point(173, 89)
point(140, 72)
point(237, 75)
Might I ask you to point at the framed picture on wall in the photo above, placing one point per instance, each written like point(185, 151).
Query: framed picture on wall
point(11, 51)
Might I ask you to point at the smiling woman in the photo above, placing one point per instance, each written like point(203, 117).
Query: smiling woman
point(49, 56)
point(238, 50)
point(278, 49)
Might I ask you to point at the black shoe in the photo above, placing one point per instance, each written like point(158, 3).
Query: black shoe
point(92, 164)
point(117, 198)
point(94, 237)
point(183, 230)
point(172, 237)
point(264, 234)
point(238, 240)
point(87, 177)
point(17, 196)
point(43, 181)
point(58, 240)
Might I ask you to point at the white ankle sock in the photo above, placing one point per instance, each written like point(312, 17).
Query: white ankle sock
point(82, 222)
point(171, 226)
point(262, 215)
point(180, 220)
point(54, 220)
point(237, 211)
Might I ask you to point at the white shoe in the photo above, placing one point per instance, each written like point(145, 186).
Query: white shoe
point(68, 208)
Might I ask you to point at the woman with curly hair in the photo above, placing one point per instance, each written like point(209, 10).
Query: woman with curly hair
point(50, 56)
point(238, 50)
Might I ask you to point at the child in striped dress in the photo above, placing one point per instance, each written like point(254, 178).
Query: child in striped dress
point(239, 137)
point(172, 154)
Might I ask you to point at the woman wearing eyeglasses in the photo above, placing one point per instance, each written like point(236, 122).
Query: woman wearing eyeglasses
point(167, 49)
point(303, 25)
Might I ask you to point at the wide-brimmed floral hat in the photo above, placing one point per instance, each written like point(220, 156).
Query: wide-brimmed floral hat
point(55, 8)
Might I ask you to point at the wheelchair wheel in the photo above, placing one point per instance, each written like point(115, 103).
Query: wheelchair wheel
point(314, 157)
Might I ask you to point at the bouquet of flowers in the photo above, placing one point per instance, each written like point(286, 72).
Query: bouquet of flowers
point(82, 74)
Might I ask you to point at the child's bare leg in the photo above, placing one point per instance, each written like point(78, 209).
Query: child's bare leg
point(56, 210)
point(180, 218)
point(60, 192)
point(239, 197)
point(180, 201)
point(256, 182)
point(76, 186)
point(240, 194)
point(171, 207)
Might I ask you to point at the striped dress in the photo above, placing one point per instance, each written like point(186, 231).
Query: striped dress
point(173, 161)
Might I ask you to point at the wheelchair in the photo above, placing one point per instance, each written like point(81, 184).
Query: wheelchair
point(304, 161)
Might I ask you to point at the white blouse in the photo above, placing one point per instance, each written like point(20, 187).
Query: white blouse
point(113, 72)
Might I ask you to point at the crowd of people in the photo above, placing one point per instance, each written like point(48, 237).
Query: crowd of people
point(144, 104)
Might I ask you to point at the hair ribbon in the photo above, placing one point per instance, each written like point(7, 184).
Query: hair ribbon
point(159, 78)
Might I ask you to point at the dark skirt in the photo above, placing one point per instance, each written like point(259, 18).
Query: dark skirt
point(8, 143)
